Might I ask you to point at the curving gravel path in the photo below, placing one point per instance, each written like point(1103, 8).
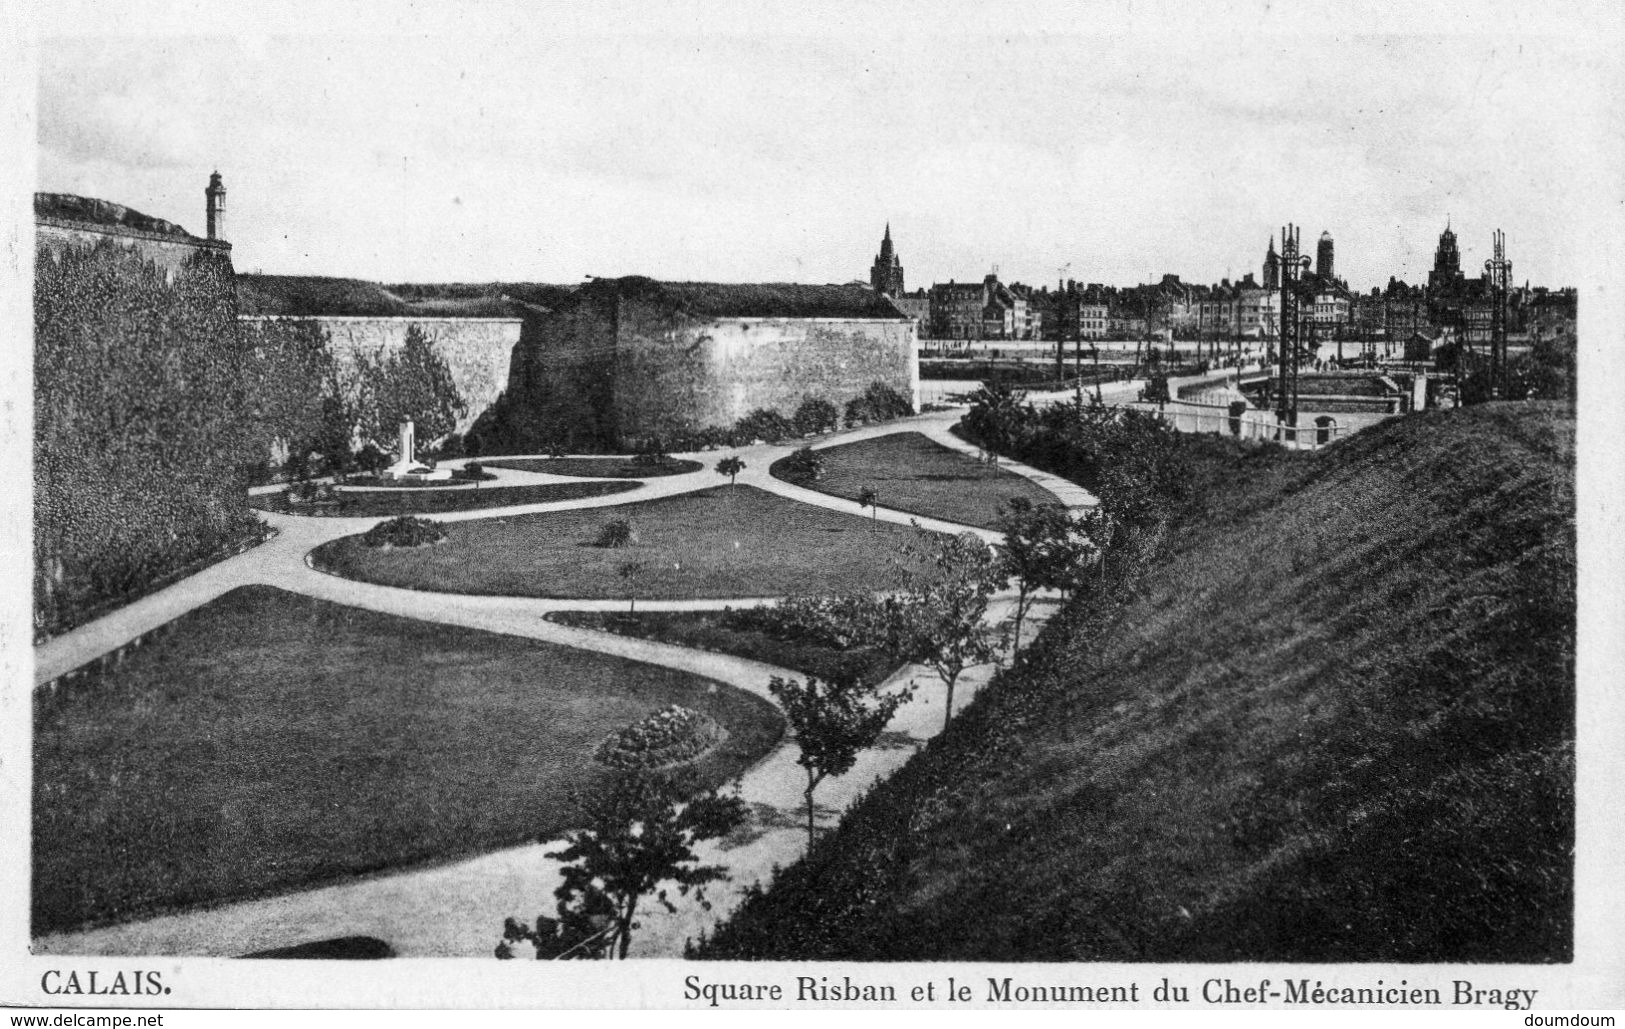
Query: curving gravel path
point(456, 909)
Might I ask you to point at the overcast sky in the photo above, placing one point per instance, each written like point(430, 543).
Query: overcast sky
point(494, 147)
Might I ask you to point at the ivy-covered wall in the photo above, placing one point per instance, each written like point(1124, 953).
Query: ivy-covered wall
point(142, 423)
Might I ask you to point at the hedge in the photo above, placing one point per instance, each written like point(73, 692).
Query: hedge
point(142, 428)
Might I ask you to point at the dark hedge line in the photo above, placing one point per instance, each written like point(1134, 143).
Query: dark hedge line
point(141, 427)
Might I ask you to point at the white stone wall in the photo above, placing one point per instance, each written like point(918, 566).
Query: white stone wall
point(476, 350)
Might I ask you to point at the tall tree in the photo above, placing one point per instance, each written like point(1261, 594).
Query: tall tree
point(1043, 548)
point(941, 615)
point(834, 721)
point(410, 383)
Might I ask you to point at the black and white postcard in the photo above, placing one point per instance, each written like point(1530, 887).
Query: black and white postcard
point(863, 507)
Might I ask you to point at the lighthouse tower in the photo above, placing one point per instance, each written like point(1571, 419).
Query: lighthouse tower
point(215, 196)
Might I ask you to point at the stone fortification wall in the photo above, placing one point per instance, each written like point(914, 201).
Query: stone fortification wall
point(675, 373)
point(476, 350)
point(608, 370)
point(560, 388)
point(166, 250)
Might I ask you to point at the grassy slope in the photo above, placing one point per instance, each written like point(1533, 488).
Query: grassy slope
point(273, 741)
point(728, 541)
point(1335, 724)
point(910, 472)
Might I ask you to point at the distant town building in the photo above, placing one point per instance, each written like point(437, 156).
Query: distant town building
point(980, 310)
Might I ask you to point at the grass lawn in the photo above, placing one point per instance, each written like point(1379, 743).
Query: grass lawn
point(595, 467)
point(727, 541)
point(272, 741)
point(390, 502)
point(711, 630)
point(913, 473)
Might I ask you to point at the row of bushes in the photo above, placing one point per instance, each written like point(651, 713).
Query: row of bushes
point(494, 433)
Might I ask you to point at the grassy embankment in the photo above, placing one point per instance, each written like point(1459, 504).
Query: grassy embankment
point(273, 741)
point(1335, 722)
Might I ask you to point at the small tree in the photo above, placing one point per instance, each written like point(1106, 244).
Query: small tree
point(1043, 548)
point(867, 497)
point(940, 617)
point(629, 573)
point(730, 466)
point(639, 832)
point(833, 722)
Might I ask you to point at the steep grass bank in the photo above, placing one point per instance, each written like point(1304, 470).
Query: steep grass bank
point(1334, 722)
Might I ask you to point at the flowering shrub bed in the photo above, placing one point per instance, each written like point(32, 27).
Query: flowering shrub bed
point(670, 736)
point(405, 531)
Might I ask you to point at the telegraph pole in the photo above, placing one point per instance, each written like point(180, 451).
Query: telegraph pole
point(1292, 268)
point(1499, 271)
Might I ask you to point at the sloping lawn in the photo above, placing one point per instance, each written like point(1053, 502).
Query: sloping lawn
point(389, 502)
point(596, 467)
point(729, 541)
point(1335, 724)
point(271, 741)
point(911, 472)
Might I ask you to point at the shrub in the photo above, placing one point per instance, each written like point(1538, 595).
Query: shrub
point(815, 415)
point(405, 531)
point(670, 736)
point(616, 533)
point(879, 403)
point(651, 452)
point(886, 403)
point(765, 425)
point(804, 466)
point(712, 438)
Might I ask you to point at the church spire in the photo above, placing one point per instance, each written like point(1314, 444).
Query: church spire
point(886, 276)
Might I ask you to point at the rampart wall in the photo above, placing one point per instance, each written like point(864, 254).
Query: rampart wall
point(476, 350)
point(167, 251)
point(673, 375)
point(605, 373)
